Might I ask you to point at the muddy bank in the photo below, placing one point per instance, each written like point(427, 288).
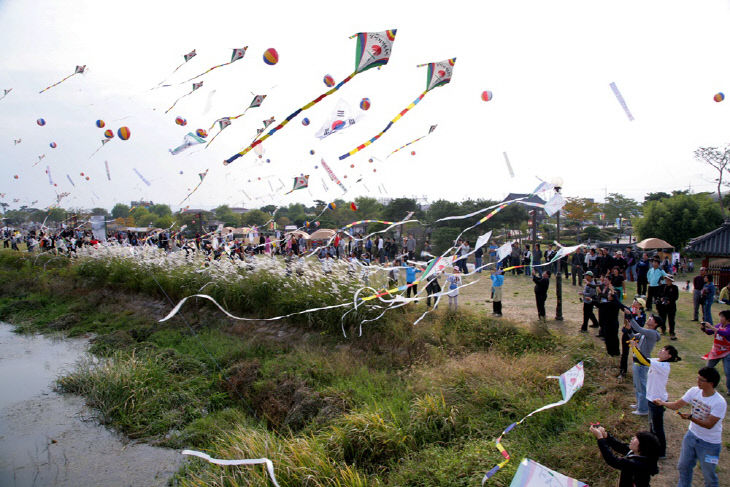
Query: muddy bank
point(52, 439)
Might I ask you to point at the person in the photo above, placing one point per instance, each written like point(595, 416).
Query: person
point(639, 462)
point(697, 284)
point(527, 260)
point(656, 390)
point(589, 298)
point(411, 247)
point(653, 276)
point(478, 253)
point(617, 281)
point(706, 298)
point(642, 269)
point(637, 314)
point(394, 274)
point(608, 320)
point(411, 279)
point(514, 259)
point(576, 265)
point(630, 264)
point(497, 278)
point(648, 337)
point(432, 287)
point(667, 304)
point(453, 282)
point(703, 440)
point(724, 297)
point(542, 283)
point(720, 346)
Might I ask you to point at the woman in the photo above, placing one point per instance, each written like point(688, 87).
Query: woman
point(454, 282)
point(706, 298)
point(721, 345)
point(617, 280)
point(656, 391)
point(640, 456)
point(541, 289)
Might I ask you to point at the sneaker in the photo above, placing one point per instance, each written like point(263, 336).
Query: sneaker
point(632, 406)
point(583, 331)
point(639, 413)
point(673, 337)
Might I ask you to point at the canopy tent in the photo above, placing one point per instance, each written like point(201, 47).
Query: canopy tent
point(654, 243)
point(298, 233)
point(322, 234)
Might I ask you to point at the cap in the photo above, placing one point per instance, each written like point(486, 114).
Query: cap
point(641, 301)
point(589, 273)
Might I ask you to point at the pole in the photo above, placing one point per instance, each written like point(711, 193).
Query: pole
point(559, 277)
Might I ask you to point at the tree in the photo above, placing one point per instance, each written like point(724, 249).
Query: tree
point(161, 210)
point(718, 159)
point(399, 208)
point(229, 219)
point(619, 205)
point(120, 211)
point(580, 210)
point(57, 215)
point(679, 218)
point(660, 195)
point(255, 217)
point(99, 212)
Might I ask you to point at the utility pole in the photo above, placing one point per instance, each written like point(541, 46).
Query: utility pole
point(559, 277)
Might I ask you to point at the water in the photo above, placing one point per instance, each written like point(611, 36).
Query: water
point(50, 439)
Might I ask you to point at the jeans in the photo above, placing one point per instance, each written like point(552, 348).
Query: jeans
point(656, 426)
point(726, 366)
point(478, 264)
point(640, 375)
point(707, 311)
point(696, 303)
point(694, 449)
point(631, 272)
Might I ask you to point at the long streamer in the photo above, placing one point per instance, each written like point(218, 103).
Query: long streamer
point(237, 54)
point(195, 87)
point(433, 127)
point(249, 461)
point(78, 70)
point(141, 177)
point(621, 100)
point(187, 58)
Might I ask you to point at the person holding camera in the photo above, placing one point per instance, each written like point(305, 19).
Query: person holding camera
point(656, 389)
point(639, 461)
point(666, 304)
point(638, 315)
point(542, 283)
point(648, 337)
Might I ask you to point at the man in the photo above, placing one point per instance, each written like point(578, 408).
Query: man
point(411, 247)
point(549, 256)
point(653, 276)
point(478, 259)
point(697, 284)
point(630, 264)
point(527, 260)
point(667, 304)
point(576, 265)
point(703, 440)
point(514, 258)
point(542, 283)
point(642, 268)
point(589, 295)
point(648, 337)
point(590, 262)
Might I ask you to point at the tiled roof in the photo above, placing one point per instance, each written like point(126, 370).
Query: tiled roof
point(715, 243)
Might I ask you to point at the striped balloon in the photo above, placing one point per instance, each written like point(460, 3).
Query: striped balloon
point(40, 122)
point(100, 124)
point(329, 80)
point(271, 57)
point(109, 134)
point(365, 104)
point(201, 133)
point(53, 145)
point(181, 121)
point(124, 133)
point(305, 121)
point(486, 95)
point(332, 206)
point(719, 97)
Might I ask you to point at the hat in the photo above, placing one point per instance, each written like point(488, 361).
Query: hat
point(618, 252)
point(589, 273)
point(641, 301)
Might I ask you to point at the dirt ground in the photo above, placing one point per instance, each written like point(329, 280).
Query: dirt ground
point(518, 306)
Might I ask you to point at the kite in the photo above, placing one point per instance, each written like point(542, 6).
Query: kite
point(201, 133)
point(109, 134)
point(328, 80)
point(190, 140)
point(365, 104)
point(235, 56)
point(195, 87)
point(718, 97)
point(271, 57)
point(486, 96)
point(333, 177)
point(531, 473)
point(201, 175)
point(226, 121)
point(570, 382)
point(433, 127)
point(124, 133)
point(41, 122)
point(70, 180)
point(509, 166)
point(373, 50)
point(5, 92)
point(100, 124)
point(181, 121)
point(342, 118)
point(300, 182)
point(621, 100)
point(438, 74)
point(187, 58)
point(140, 176)
point(78, 70)
point(53, 145)
point(106, 165)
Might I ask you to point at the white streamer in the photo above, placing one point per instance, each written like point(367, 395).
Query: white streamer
point(249, 461)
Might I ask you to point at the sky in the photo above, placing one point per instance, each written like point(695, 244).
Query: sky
point(547, 64)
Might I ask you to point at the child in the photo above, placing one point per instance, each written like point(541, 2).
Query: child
point(656, 389)
point(639, 463)
point(497, 283)
point(637, 312)
point(453, 282)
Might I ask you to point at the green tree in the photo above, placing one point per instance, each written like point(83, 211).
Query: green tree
point(679, 218)
point(229, 219)
point(660, 195)
point(617, 204)
point(579, 210)
point(398, 208)
point(142, 216)
point(57, 215)
point(367, 209)
point(255, 217)
point(161, 210)
point(120, 210)
point(718, 159)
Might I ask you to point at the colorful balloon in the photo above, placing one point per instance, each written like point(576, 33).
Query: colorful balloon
point(413, 153)
point(82, 174)
point(353, 206)
point(109, 134)
point(201, 133)
point(53, 145)
point(370, 160)
point(181, 121)
point(268, 161)
point(352, 165)
point(305, 121)
point(329, 80)
point(40, 122)
point(719, 97)
point(124, 133)
point(15, 177)
point(486, 95)
point(271, 57)
point(365, 104)
point(331, 206)
point(311, 151)
point(100, 124)
point(87, 178)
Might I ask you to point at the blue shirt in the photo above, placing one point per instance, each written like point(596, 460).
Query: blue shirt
point(497, 280)
point(654, 276)
point(410, 273)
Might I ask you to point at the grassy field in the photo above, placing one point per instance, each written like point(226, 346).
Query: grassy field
point(399, 406)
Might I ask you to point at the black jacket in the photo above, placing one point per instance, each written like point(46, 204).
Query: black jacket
point(541, 285)
point(636, 471)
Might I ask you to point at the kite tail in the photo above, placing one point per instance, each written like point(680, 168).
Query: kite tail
point(390, 124)
point(97, 150)
point(191, 193)
point(289, 118)
point(211, 140)
point(404, 146)
point(173, 105)
point(55, 84)
point(159, 85)
point(206, 72)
